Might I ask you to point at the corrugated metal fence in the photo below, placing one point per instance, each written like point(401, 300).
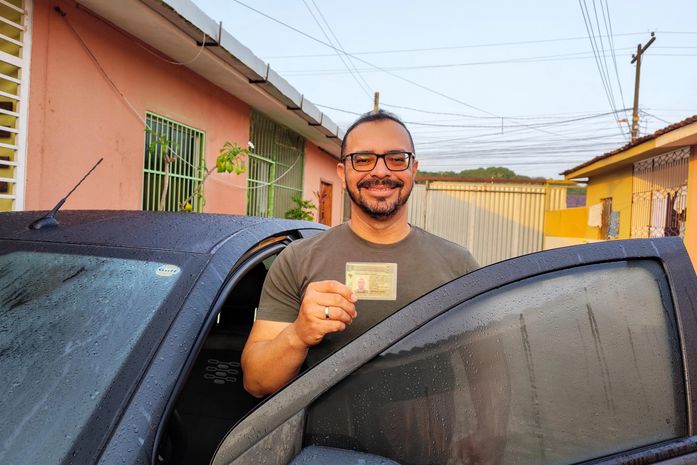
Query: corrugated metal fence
point(495, 221)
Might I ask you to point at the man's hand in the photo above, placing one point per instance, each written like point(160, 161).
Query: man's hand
point(327, 307)
point(275, 351)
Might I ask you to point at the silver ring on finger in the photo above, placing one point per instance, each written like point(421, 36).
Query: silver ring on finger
point(326, 313)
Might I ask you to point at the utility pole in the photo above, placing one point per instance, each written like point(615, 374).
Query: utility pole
point(637, 58)
point(376, 102)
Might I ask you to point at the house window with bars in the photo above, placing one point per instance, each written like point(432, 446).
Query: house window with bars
point(659, 195)
point(275, 170)
point(174, 165)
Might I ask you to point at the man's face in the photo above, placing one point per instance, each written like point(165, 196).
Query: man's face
point(380, 193)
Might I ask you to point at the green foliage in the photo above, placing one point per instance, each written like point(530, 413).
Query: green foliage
point(302, 209)
point(232, 158)
point(479, 173)
point(164, 142)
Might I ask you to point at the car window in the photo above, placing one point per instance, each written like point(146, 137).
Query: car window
point(559, 368)
point(212, 399)
point(67, 325)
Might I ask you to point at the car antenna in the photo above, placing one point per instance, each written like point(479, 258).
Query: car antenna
point(49, 220)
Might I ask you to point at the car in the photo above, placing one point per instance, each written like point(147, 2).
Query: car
point(120, 337)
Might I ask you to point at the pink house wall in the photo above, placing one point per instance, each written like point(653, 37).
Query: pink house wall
point(76, 116)
point(320, 166)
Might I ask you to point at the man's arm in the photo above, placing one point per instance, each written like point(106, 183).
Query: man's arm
point(275, 351)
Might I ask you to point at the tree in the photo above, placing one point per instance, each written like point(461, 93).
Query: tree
point(496, 172)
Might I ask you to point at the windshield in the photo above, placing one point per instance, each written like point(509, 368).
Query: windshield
point(67, 325)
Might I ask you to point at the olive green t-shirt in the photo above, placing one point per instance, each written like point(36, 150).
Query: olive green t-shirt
point(424, 262)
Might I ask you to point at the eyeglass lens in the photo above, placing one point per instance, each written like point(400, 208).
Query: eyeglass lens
point(398, 161)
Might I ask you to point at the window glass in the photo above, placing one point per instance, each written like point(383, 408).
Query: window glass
point(67, 325)
point(559, 368)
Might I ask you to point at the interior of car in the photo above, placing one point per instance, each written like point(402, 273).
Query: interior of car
point(213, 398)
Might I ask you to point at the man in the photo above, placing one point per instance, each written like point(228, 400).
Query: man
point(324, 291)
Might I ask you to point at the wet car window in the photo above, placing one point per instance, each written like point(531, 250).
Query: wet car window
point(67, 324)
point(559, 368)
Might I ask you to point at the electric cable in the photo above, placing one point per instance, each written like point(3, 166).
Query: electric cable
point(338, 53)
point(397, 76)
point(611, 40)
point(343, 50)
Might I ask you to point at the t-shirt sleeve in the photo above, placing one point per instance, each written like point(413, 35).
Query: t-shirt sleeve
point(469, 263)
point(280, 296)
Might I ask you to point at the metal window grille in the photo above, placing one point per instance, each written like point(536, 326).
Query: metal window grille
point(275, 172)
point(185, 171)
point(659, 195)
point(15, 24)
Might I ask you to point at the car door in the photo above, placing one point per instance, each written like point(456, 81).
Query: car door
point(565, 356)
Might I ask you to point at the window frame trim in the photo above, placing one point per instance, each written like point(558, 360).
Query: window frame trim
point(670, 253)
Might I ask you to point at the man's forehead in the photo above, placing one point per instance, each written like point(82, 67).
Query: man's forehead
point(378, 135)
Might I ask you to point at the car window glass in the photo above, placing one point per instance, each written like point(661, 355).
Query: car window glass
point(559, 368)
point(67, 324)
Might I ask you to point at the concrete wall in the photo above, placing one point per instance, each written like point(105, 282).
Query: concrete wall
point(320, 166)
point(616, 184)
point(570, 222)
point(76, 115)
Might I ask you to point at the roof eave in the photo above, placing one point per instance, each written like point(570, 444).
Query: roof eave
point(225, 62)
point(676, 138)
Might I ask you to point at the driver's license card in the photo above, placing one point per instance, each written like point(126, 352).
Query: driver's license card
point(372, 281)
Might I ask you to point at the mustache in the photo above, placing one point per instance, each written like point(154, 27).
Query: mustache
point(368, 183)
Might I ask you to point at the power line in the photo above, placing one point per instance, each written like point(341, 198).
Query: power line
point(342, 48)
point(608, 28)
point(338, 53)
point(531, 125)
point(397, 76)
point(453, 47)
point(603, 62)
point(533, 59)
point(591, 38)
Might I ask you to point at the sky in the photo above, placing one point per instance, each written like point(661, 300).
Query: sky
point(536, 86)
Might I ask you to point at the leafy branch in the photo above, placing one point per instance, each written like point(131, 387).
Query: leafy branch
point(231, 159)
point(302, 209)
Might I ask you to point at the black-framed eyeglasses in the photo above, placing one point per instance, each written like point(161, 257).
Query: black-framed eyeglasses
point(396, 160)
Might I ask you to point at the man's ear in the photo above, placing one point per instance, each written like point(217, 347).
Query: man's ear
point(341, 172)
point(415, 167)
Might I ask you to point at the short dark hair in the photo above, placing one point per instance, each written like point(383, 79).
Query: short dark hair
point(380, 115)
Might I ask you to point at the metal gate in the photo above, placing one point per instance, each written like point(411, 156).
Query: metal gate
point(15, 53)
point(494, 221)
point(276, 170)
point(659, 195)
point(262, 172)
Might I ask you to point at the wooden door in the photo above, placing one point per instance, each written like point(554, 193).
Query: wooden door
point(325, 203)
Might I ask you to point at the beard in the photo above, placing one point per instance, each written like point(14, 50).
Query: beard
point(383, 208)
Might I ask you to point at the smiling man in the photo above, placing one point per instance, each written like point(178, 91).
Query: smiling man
point(324, 291)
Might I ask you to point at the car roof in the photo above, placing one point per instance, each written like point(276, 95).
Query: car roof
point(182, 232)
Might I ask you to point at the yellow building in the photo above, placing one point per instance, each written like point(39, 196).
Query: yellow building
point(645, 189)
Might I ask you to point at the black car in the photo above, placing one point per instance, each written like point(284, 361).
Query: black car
point(120, 337)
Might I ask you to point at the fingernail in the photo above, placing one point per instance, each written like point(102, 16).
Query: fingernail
point(354, 297)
